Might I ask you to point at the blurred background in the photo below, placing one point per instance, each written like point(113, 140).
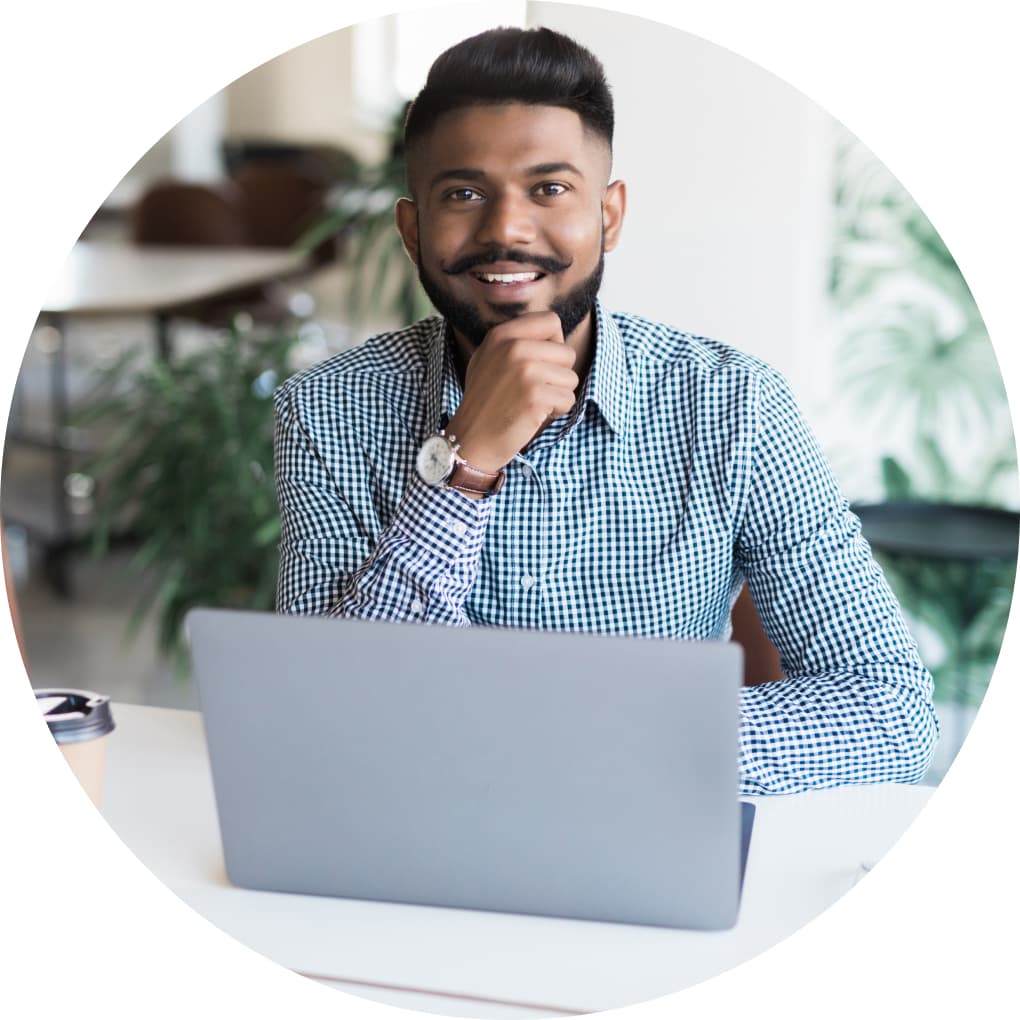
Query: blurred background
point(256, 238)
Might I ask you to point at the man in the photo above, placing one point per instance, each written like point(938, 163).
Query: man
point(530, 460)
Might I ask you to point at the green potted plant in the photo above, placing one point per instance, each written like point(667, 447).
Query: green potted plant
point(186, 471)
point(915, 357)
point(914, 353)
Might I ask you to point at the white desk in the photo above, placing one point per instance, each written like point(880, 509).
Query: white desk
point(110, 278)
point(806, 851)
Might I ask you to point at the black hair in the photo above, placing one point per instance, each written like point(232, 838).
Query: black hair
point(514, 65)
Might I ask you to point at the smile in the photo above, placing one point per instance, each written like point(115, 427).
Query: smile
point(508, 278)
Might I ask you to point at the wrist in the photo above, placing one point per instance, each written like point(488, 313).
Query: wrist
point(441, 465)
point(478, 459)
point(474, 450)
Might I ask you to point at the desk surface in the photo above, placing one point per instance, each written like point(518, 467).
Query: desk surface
point(806, 851)
point(110, 278)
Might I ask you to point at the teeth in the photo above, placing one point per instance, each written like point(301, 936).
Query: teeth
point(508, 277)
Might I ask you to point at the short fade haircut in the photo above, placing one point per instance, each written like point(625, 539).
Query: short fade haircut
point(536, 66)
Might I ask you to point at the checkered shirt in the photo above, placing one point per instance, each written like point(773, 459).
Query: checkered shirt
point(684, 468)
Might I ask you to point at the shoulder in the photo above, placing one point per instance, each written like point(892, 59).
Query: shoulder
point(378, 378)
point(657, 348)
point(386, 356)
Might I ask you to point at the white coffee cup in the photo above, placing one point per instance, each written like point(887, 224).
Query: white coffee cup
point(80, 722)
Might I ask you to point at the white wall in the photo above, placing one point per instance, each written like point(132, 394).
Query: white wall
point(728, 175)
point(303, 95)
point(195, 142)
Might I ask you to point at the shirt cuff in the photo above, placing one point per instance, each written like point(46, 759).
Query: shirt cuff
point(443, 525)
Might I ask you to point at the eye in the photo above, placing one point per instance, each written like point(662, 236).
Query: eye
point(550, 189)
point(463, 195)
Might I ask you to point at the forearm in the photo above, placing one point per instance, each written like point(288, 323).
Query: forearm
point(806, 733)
point(423, 565)
point(351, 548)
point(856, 704)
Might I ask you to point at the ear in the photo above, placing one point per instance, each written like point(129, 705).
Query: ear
point(407, 224)
point(614, 205)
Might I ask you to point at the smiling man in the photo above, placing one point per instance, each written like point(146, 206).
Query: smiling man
point(517, 212)
point(529, 459)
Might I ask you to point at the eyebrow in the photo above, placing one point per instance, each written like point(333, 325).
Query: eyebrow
point(469, 174)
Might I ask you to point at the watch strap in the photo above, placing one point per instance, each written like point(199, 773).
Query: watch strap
point(465, 478)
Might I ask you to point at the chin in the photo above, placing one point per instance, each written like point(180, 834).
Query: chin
point(507, 310)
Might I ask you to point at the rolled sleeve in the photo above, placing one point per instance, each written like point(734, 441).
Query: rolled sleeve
point(856, 704)
point(339, 555)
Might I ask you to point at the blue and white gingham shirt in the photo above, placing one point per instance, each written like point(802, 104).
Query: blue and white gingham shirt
point(684, 468)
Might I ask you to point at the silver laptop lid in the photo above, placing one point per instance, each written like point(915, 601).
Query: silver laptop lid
point(571, 775)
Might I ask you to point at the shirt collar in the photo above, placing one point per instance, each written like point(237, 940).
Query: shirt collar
point(606, 388)
point(608, 384)
point(442, 388)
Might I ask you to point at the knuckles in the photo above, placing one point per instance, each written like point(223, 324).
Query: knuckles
point(544, 325)
point(520, 378)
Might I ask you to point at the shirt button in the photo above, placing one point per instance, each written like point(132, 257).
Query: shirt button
point(459, 529)
point(417, 608)
point(527, 582)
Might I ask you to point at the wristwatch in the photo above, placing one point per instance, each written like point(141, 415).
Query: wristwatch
point(441, 466)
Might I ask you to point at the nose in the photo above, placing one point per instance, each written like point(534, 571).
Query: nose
point(507, 219)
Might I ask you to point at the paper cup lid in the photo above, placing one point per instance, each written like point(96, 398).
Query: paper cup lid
point(75, 715)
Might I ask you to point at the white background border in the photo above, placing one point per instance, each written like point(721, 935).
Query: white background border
point(931, 88)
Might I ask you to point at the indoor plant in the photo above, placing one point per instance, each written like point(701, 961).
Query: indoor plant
point(915, 359)
point(186, 471)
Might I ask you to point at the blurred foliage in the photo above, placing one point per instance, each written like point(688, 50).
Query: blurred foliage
point(933, 477)
point(383, 278)
point(914, 351)
point(915, 357)
point(187, 472)
point(967, 605)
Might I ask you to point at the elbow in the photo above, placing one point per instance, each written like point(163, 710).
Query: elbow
point(915, 747)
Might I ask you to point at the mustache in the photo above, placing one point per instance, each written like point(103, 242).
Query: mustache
point(486, 258)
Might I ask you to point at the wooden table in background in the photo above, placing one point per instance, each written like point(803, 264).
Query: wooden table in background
point(111, 279)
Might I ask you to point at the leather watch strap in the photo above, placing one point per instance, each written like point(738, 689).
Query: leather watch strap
point(480, 483)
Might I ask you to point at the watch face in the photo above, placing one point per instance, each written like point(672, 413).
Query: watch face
point(435, 460)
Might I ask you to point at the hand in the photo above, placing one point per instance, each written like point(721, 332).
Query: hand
point(519, 379)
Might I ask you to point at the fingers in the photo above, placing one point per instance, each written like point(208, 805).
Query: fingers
point(520, 378)
point(561, 401)
point(544, 351)
point(540, 372)
point(545, 326)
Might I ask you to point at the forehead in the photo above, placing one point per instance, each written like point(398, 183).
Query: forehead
point(500, 140)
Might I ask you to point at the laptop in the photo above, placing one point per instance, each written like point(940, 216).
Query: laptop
point(566, 775)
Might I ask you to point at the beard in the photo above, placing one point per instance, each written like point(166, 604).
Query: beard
point(572, 307)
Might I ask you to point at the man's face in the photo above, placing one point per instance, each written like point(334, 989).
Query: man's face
point(511, 214)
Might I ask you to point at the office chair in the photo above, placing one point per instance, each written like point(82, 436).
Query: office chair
point(183, 213)
point(761, 657)
point(280, 203)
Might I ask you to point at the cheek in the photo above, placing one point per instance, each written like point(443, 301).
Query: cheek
point(578, 233)
point(440, 241)
point(581, 242)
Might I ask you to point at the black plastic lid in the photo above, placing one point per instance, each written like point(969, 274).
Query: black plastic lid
point(75, 715)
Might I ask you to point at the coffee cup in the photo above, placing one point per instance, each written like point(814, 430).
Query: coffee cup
point(79, 722)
